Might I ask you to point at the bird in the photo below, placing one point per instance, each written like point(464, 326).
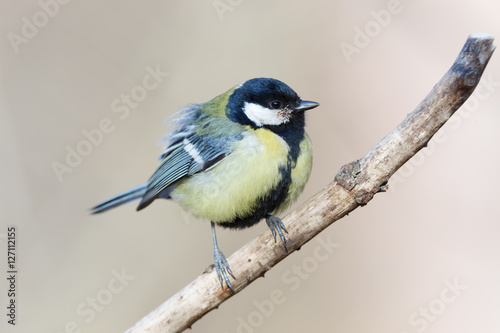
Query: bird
point(240, 158)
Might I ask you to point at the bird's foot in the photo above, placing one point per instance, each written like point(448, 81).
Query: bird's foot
point(222, 268)
point(276, 225)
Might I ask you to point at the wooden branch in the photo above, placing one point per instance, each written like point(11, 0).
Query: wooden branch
point(354, 185)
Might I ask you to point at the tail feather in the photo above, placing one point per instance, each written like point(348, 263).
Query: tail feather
point(120, 199)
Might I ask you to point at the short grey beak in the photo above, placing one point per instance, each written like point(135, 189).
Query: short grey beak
point(306, 105)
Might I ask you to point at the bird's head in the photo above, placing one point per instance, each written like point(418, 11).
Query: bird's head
point(264, 102)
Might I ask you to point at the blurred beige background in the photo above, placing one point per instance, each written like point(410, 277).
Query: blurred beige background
point(422, 257)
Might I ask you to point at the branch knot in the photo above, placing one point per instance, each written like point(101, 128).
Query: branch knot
point(346, 177)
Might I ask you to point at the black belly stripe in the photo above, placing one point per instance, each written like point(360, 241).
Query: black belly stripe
point(264, 205)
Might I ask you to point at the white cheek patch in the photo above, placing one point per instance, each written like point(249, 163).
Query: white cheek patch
point(260, 115)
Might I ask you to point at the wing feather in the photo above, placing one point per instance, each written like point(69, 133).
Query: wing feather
point(191, 155)
point(196, 143)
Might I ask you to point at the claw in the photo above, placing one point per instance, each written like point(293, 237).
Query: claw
point(275, 224)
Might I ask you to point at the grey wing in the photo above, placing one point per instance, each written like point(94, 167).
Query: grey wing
point(185, 156)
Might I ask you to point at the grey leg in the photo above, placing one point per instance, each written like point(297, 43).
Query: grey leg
point(220, 263)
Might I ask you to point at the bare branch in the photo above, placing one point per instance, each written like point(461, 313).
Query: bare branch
point(355, 185)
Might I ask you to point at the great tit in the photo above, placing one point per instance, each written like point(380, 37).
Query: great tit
point(233, 161)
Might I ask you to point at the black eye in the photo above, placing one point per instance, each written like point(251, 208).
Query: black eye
point(275, 105)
